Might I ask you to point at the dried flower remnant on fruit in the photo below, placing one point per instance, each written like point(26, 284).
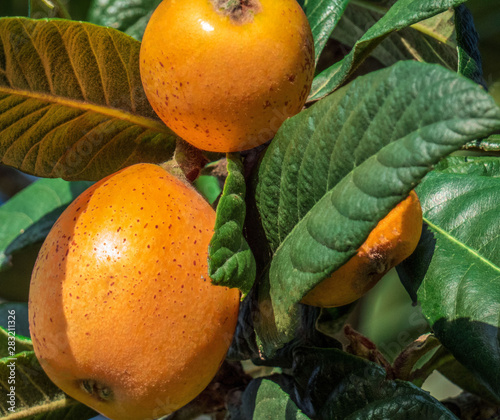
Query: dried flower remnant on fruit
point(127, 255)
point(96, 389)
point(264, 49)
point(239, 11)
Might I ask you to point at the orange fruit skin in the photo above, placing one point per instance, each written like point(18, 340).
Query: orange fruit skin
point(225, 86)
point(393, 240)
point(120, 295)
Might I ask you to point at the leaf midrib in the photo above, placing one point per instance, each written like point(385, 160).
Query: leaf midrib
point(41, 409)
point(451, 238)
point(417, 26)
point(142, 121)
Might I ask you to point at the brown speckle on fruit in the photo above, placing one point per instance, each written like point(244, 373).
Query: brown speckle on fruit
point(230, 113)
point(98, 338)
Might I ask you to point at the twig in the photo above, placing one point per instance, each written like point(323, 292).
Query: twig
point(405, 362)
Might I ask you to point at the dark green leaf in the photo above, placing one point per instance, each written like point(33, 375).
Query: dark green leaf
point(469, 57)
point(25, 221)
point(463, 377)
point(333, 385)
point(430, 41)
point(245, 346)
point(336, 169)
point(72, 104)
point(489, 144)
point(129, 16)
point(18, 344)
point(268, 398)
point(16, 275)
point(230, 261)
point(323, 16)
point(35, 394)
point(39, 9)
point(471, 165)
point(403, 14)
point(455, 274)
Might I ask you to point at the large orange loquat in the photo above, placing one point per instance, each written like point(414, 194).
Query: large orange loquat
point(123, 315)
point(225, 74)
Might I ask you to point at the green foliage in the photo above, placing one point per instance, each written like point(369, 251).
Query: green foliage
point(469, 59)
point(431, 40)
point(127, 16)
point(360, 164)
point(230, 259)
point(457, 283)
point(72, 106)
point(71, 101)
point(268, 398)
point(24, 226)
point(403, 14)
point(35, 395)
point(332, 385)
point(323, 16)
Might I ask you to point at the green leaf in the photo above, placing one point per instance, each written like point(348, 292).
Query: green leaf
point(18, 344)
point(35, 394)
point(39, 9)
point(72, 104)
point(403, 14)
point(16, 276)
point(268, 398)
point(469, 57)
point(471, 165)
point(24, 226)
point(208, 186)
point(455, 275)
point(462, 377)
point(336, 169)
point(489, 144)
point(323, 16)
point(333, 385)
point(230, 261)
point(129, 16)
point(244, 345)
point(431, 40)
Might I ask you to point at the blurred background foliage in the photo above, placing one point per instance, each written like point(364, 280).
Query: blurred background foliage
point(386, 314)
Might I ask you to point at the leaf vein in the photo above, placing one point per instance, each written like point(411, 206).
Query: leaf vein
point(70, 59)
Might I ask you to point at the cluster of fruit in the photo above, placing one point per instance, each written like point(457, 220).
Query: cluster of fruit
point(123, 315)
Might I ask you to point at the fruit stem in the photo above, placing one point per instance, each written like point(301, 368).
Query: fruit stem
point(238, 11)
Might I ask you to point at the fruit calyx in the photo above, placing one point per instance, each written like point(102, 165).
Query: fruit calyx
point(96, 389)
point(238, 11)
